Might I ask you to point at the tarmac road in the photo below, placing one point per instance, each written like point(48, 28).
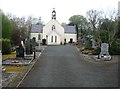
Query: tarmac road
point(63, 66)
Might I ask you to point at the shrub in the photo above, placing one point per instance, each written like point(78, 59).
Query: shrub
point(88, 44)
point(96, 51)
point(6, 46)
point(115, 47)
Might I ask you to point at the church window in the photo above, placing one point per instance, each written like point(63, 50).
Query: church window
point(53, 27)
point(51, 38)
point(55, 38)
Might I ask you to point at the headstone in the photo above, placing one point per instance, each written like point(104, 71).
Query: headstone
point(83, 40)
point(33, 43)
point(104, 49)
point(20, 51)
point(104, 54)
point(29, 49)
point(93, 43)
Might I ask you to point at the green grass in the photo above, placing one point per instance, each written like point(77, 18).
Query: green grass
point(12, 55)
point(15, 68)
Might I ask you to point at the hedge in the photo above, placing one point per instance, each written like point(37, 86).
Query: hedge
point(6, 46)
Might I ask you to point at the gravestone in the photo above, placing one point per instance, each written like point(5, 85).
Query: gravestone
point(93, 43)
point(83, 40)
point(33, 43)
point(104, 49)
point(20, 51)
point(29, 49)
point(104, 54)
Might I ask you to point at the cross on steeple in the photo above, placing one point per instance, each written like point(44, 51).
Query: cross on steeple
point(53, 14)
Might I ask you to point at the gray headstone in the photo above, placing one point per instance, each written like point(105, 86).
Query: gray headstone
point(33, 42)
point(104, 49)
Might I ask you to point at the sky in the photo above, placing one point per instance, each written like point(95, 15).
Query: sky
point(64, 8)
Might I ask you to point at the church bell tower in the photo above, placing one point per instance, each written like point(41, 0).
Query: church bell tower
point(53, 14)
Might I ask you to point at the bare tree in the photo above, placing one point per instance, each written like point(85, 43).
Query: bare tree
point(94, 17)
point(110, 24)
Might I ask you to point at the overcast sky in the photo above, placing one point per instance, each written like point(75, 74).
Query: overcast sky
point(64, 8)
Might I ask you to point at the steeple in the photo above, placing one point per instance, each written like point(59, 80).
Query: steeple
point(53, 14)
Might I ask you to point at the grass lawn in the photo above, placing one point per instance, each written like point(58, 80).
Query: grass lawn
point(12, 55)
point(15, 68)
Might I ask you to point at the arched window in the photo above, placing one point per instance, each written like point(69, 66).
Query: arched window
point(51, 38)
point(55, 38)
point(53, 27)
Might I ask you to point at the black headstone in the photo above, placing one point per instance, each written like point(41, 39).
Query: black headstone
point(33, 43)
point(20, 51)
point(29, 49)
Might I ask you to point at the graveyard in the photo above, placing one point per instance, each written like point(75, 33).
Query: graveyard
point(18, 63)
point(63, 51)
point(92, 52)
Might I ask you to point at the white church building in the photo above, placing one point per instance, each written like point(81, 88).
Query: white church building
point(53, 32)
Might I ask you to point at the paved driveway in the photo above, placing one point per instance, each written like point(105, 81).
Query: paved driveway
point(63, 66)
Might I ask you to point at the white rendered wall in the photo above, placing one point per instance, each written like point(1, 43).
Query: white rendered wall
point(70, 36)
point(36, 36)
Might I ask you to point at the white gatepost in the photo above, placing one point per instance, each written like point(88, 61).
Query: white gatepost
point(39, 44)
point(39, 40)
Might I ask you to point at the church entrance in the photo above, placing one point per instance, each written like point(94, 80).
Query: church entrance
point(71, 40)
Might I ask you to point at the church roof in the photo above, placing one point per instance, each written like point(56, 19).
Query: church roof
point(37, 28)
point(69, 29)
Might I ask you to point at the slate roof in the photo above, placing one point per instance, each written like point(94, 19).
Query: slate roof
point(37, 28)
point(69, 29)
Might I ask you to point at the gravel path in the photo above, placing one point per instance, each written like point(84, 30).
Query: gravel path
point(63, 66)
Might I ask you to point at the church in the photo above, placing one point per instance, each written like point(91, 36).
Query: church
point(53, 32)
